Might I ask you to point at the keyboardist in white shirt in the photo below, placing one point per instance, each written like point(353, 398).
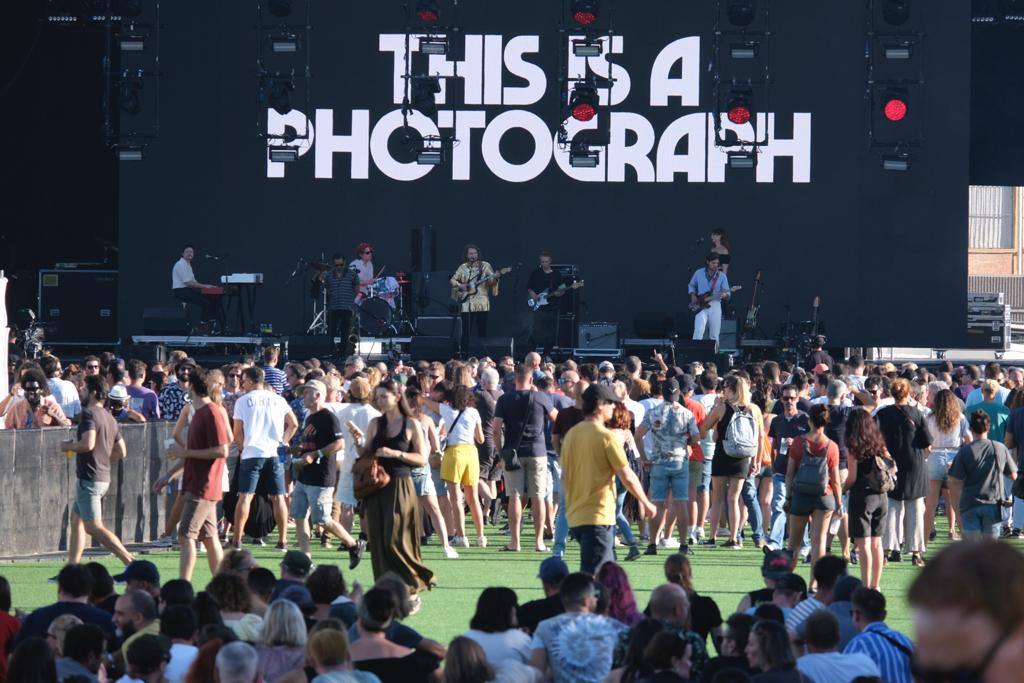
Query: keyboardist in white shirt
point(186, 288)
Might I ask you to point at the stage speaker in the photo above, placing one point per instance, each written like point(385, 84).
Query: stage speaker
point(166, 320)
point(651, 325)
point(728, 337)
point(439, 326)
point(147, 353)
point(688, 350)
point(599, 336)
point(432, 348)
point(422, 249)
point(495, 347)
point(78, 306)
point(305, 346)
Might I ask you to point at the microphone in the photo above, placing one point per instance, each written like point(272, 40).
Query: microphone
point(212, 257)
point(700, 240)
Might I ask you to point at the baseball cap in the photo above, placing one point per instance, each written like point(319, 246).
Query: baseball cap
point(820, 369)
point(148, 651)
point(315, 385)
point(139, 570)
point(296, 563)
point(605, 366)
point(118, 392)
point(301, 596)
point(670, 390)
point(600, 392)
point(553, 570)
point(775, 564)
point(187, 361)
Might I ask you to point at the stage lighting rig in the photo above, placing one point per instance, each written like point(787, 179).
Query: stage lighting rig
point(131, 65)
point(283, 74)
point(584, 101)
point(585, 12)
point(742, 77)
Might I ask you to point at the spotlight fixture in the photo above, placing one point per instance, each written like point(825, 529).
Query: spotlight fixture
point(583, 102)
point(280, 8)
point(587, 47)
point(129, 153)
point(283, 154)
point(131, 43)
point(895, 107)
point(903, 49)
point(898, 161)
point(581, 156)
point(584, 12)
point(744, 50)
point(745, 159)
point(741, 12)
point(424, 89)
point(277, 94)
point(896, 12)
point(427, 11)
point(738, 109)
point(431, 151)
point(284, 43)
point(434, 45)
point(129, 99)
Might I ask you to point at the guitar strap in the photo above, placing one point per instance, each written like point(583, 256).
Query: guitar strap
point(714, 281)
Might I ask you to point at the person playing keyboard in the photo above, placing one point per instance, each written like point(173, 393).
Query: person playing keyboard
point(187, 289)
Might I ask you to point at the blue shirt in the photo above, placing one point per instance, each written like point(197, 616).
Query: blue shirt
point(874, 641)
point(274, 378)
point(700, 283)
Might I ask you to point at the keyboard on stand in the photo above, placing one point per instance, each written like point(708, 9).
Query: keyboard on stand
point(240, 286)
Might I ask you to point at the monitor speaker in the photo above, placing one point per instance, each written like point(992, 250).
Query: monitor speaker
point(495, 347)
point(305, 346)
point(432, 348)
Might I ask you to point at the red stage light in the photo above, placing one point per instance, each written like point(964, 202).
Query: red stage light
point(739, 113)
point(427, 11)
point(895, 109)
point(583, 112)
point(584, 12)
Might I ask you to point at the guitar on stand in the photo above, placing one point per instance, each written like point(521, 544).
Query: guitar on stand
point(750, 323)
point(544, 298)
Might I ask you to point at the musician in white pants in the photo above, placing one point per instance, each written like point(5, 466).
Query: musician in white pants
point(709, 286)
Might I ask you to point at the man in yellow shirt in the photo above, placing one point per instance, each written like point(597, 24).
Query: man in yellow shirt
point(473, 285)
point(592, 457)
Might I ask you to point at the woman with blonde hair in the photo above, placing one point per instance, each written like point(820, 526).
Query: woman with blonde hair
point(948, 428)
point(737, 446)
point(282, 644)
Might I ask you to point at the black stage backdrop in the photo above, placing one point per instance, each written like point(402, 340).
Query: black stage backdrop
point(885, 251)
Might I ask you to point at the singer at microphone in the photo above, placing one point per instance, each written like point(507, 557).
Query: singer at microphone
point(185, 287)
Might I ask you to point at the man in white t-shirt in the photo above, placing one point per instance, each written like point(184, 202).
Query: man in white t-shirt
point(263, 421)
point(187, 289)
point(63, 391)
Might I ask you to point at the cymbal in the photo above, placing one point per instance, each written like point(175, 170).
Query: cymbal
point(319, 265)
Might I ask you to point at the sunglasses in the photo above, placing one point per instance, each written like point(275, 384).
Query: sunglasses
point(92, 367)
point(233, 374)
point(789, 398)
point(368, 251)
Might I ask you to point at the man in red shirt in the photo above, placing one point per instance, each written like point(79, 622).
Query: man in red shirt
point(700, 465)
point(208, 440)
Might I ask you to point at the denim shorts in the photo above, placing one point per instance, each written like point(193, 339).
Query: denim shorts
point(250, 470)
point(671, 475)
point(938, 462)
point(700, 475)
point(317, 501)
point(422, 481)
point(984, 519)
point(88, 495)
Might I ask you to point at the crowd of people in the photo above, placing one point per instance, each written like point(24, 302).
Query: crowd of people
point(841, 464)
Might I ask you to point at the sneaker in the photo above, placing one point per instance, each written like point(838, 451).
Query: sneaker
point(651, 550)
point(731, 543)
point(449, 553)
point(415, 604)
point(460, 542)
point(616, 543)
point(854, 558)
point(164, 541)
point(258, 542)
point(355, 554)
point(932, 535)
point(634, 553)
point(686, 550)
point(699, 534)
point(710, 543)
point(283, 547)
point(895, 556)
point(481, 541)
point(738, 544)
point(668, 543)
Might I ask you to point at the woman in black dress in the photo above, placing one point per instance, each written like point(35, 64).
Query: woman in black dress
point(392, 515)
point(720, 246)
point(906, 437)
point(868, 508)
point(728, 472)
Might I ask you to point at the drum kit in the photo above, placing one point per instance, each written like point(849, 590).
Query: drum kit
point(380, 306)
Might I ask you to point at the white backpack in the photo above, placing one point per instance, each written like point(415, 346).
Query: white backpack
point(741, 434)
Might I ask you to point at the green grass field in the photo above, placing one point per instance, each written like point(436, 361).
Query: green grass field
point(721, 573)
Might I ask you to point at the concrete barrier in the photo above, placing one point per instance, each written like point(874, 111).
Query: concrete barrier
point(37, 486)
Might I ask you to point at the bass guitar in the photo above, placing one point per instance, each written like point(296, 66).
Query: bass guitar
point(544, 297)
point(704, 300)
point(473, 285)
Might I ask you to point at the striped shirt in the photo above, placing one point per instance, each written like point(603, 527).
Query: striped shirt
point(274, 378)
point(803, 610)
point(341, 289)
point(876, 641)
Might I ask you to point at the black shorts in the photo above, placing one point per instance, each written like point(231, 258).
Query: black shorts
point(489, 470)
point(867, 514)
point(804, 506)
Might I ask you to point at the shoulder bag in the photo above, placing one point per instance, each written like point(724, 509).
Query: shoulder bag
point(510, 456)
point(368, 473)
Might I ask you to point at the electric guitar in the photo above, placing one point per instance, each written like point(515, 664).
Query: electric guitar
point(704, 300)
point(473, 284)
point(751, 322)
point(544, 297)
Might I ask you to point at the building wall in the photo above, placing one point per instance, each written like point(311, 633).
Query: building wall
point(995, 226)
